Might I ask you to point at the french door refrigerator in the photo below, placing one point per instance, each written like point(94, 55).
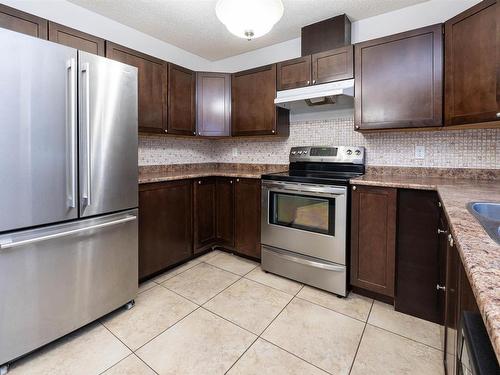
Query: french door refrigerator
point(68, 190)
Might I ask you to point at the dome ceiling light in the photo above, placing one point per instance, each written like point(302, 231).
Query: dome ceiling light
point(249, 19)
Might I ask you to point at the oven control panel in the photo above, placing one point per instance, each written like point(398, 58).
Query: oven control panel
point(328, 154)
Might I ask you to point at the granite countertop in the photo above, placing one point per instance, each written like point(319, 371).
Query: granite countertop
point(479, 253)
point(160, 173)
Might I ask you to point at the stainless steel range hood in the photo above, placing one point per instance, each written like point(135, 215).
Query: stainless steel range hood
point(326, 93)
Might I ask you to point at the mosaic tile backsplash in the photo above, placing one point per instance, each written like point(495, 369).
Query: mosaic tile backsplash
point(478, 148)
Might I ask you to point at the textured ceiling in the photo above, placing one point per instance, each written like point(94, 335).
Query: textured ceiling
point(193, 26)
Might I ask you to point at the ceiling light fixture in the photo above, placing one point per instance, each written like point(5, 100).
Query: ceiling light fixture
point(249, 19)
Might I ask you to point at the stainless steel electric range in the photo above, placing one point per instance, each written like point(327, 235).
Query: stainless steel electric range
point(305, 216)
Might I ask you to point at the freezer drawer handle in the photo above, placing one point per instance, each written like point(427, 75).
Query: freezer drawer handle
point(311, 263)
point(8, 245)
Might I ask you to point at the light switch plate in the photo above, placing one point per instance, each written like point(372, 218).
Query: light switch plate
point(235, 151)
point(419, 152)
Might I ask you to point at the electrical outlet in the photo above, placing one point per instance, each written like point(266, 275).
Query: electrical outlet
point(419, 152)
point(235, 151)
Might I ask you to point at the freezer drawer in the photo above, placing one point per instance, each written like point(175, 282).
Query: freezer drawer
point(108, 135)
point(319, 273)
point(38, 130)
point(56, 279)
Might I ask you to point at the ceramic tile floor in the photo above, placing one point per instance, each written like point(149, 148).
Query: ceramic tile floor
point(221, 314)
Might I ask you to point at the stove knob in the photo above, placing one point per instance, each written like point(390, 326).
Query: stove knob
point(305, 152)
point(358, 152)
point(294, 152)
point(348, 152)
point(300, 152)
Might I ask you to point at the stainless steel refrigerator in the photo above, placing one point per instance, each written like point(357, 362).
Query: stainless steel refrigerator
point(68, 190)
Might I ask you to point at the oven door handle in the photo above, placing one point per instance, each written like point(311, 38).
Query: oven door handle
point(308, 191)
point(311, 263)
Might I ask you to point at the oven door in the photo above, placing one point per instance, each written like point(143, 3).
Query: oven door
point(305, 218)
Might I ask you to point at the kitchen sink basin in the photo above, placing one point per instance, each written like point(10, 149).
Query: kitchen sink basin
point(488, 214)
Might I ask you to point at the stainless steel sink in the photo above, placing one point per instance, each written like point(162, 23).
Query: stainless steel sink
point(488, 214)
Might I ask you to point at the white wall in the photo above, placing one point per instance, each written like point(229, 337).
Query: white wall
point(66, 13)
point(79, 18)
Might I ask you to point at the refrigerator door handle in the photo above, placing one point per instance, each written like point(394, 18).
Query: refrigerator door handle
point(88, 158)
point(12, 244)
point(70, 66)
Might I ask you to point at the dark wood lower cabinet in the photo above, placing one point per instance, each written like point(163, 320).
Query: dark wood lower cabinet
point(373, 239)
point(225, 211)
point(204, 213)
point(165, 225)
point(418, 257)
point(247, 216)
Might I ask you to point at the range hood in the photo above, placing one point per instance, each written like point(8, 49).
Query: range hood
point(325, 93)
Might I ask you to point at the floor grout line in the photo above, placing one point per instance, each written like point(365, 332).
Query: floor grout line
point(360, 339)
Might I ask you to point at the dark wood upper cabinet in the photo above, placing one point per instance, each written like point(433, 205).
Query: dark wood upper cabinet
point(334, 65)
point(418, 259)
point(373, 239)
point(252, 109)
point(165, 225)
point(247, 216)
point(204, 213)
point(21, 22)
point(472, 75)
point(213, 104)
point(152, 77)
point(325, 35)
point(225, 211)
point(398, 80)
point(181, 100)
point(75, 39)
point(294, 73)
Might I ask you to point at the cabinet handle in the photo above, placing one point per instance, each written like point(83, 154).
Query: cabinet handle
point(230, 181)
point(439, 287)
point(498, 114)
point(199, 182)
point(450, 240)
point(314, 81)
point(237, 180)
point(356, 127)
point(442, 231)
point(273, 131)
point(194, 133)
point(354, 188)
point(308, 82)
point(166, 131)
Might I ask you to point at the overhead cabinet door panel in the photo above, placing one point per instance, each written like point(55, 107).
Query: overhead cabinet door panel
point(181, 100)
point(75, 39)
point(15, 20)
point(398, 80)
point(152, 77)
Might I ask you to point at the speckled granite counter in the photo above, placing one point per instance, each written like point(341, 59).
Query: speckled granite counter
point(159, 173)
point(479, 253)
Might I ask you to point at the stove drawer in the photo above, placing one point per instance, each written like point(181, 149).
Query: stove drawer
point(311, 271)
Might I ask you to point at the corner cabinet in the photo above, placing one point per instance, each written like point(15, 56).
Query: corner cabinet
point(373, 239)
point(204, 213)
point(213, 104)
point(152, 77)
point(21, 22)
point(399, 79)
point(252, 104)
point(76, 39)
point(472, 75)
point(165, 225)
point(181, 100)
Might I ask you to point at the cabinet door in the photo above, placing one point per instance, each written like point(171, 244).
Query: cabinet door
point(213, 104)
point(21, 22)
point(398, 80)
point(247, 216)
point(165, 225)
point(373, 239)
point(334, 65)
point(451, 306)
point(204, 213)
point(252, 110)
point(225, 211)
point(181, 100)
point(75, 39)
point(418, 256)
point(152, 86)
point(472, 76)
point(294, 73)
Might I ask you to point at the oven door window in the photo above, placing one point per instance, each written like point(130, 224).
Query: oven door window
point(309, 213)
